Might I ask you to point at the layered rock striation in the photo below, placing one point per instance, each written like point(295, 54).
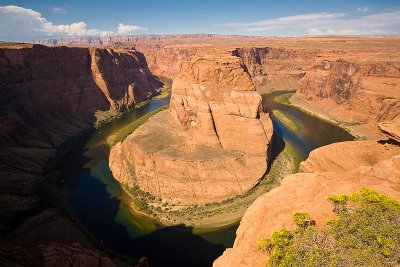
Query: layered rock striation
point(49, 92)
point(340, 168)
point(212, 144)
point(357, 89)
point(276, 68)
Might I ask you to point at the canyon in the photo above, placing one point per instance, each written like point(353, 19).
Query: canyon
point(203, 149)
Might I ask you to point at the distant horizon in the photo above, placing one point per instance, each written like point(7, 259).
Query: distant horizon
point(212, 34)
point(39, 20)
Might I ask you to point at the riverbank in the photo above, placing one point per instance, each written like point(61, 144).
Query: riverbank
point(290, 99)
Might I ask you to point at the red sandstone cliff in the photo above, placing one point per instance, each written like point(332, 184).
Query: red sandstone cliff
point(48, 95)
point(363, 90)
point(276, 68)
point(51, 92)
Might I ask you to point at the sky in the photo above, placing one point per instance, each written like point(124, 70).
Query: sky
point(43, 19)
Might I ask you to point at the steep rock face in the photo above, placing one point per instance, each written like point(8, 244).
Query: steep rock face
point(212, 144)
point(308, 192)
point(354, 89)
point(276, 68)
point(48, 95)
point(46, 92)
point(167, 61)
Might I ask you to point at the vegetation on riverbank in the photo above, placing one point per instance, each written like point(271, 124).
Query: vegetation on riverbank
point(363, 233)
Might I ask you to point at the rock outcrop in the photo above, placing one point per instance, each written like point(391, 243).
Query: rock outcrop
point(345, 156)
point(211, 145)
point(391, 129)
point(308, 192)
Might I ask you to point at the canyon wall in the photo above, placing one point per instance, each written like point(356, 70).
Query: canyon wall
point(49, 92)
point(212, 144)
point(167, 61)
point(366, 90)
point(276, 68)
point(48, 95)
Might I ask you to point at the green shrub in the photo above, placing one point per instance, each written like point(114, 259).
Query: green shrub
point(365, 232)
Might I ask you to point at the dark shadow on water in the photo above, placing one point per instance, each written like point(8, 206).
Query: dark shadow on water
point(278, 144)
point(169, 246)
point(177, 246)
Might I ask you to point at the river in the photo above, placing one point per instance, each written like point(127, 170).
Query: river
point(95, 196)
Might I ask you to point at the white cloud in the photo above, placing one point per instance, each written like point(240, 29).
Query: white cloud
point(128, 29)
point(18, 24)
point(324, 23)
point(59, 10)
point(363, 9)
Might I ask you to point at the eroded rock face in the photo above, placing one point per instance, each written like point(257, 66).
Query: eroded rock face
point(352, 89)
point(167, 61)
point(48, 95)
point(308, 192)
point(276, 68)
point(212, 143)
point(49, 92)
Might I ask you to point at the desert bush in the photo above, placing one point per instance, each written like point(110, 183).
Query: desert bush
point(365, 232)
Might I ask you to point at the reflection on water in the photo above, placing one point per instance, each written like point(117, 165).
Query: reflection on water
point(95, 196)
point(312, 132)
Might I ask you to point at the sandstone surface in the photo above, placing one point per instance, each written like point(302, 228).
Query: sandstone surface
point(211, 145)
point(391, 129)
point(308, 192)
point(345, 156)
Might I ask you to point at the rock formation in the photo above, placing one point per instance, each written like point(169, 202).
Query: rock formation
point(354, 87)
point(211, 145)
point(167, 61)
point(391, 129)
point(276, 68)
point(48, 95)
point(64, 88)
point(345, 156)
point(308, 192)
